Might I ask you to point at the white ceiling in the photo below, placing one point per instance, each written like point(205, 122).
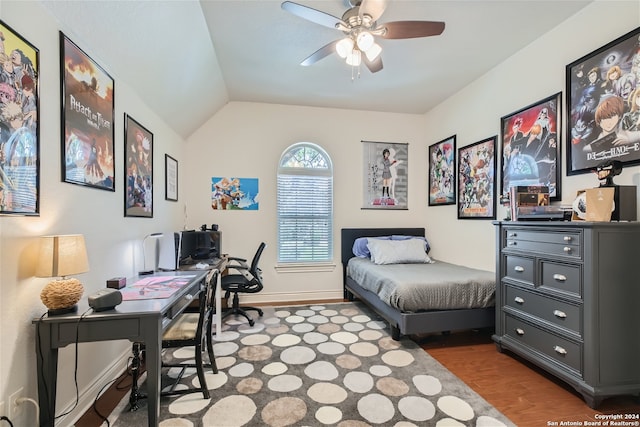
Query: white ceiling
point(188, 58)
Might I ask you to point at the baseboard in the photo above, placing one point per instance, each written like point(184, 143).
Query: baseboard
point(278, 297)
point(88, 394)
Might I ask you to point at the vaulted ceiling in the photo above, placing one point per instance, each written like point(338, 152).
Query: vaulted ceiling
point(186, 58)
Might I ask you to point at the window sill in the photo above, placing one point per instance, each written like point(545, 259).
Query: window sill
point(305, 268)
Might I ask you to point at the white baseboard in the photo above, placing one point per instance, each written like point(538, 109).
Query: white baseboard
point(88, 394)
point(278, 297)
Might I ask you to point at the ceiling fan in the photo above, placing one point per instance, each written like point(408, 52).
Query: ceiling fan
point(359, 24)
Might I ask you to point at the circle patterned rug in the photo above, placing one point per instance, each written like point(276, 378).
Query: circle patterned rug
point(315, 365)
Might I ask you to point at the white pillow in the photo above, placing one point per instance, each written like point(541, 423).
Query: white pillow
point(398, 251)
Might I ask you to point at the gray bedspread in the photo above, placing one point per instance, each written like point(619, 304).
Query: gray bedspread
point(417, 287)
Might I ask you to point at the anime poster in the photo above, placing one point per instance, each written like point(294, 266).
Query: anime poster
point(604, 106)
point(442, 172)
point(234, 193)
point(476, 180)
point(531, 147)
point(19, 125)
point(385, 175)
point(87, 119)
point(138, 151)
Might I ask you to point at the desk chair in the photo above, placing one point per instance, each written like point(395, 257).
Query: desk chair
point(248, 279)
point(188, 329)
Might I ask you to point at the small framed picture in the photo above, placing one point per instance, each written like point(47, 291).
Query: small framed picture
point(530, 139)
point(442, 172)
point(87, 119)
point(476, 180)
point(138, 146)
point(603, 106)
point(170, 178)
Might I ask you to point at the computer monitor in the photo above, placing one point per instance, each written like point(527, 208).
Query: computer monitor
point(197, 245)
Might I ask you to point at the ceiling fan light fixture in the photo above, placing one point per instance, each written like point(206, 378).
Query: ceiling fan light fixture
point(344, 47)
point(365, 41)
point(354, 59)
point(373, 52)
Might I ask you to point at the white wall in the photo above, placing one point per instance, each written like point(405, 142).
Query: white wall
point(246, 140)
point(528, 76)
point(113, 242)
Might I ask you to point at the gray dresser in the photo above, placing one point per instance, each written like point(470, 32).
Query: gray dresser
point(568, 300)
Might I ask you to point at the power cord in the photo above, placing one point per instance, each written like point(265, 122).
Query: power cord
point(3, 418)
point(117, 386)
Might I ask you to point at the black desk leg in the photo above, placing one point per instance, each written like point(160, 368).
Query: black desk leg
point(135, 375)
point(47, 367)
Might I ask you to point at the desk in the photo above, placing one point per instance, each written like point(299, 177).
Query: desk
point(136, 321)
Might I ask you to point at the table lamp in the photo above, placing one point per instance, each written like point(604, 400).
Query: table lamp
point(61, 256)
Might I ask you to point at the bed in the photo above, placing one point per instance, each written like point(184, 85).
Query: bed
point(405, 318)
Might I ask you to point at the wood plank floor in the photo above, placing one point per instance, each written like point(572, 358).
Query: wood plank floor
point(526, 395)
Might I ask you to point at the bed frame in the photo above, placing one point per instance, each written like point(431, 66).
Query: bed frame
point(407, 323)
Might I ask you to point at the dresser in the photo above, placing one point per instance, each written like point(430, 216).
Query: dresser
point(568, 300)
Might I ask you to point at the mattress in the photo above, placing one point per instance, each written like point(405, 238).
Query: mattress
point(419, 287)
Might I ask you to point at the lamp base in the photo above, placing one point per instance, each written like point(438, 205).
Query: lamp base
point(60, 295)
point(61, 311)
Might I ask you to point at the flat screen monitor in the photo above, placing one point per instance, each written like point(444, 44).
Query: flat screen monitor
point(195, 245)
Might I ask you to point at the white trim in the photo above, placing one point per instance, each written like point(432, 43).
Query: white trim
point(319, 267)
point(280, 297)
point(88, 395)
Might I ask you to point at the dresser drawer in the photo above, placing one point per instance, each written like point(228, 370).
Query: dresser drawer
point(563, 351)
point(561, 278)
point(558, 313)
point(559, 237)
point(520, 268)
point(553, 249)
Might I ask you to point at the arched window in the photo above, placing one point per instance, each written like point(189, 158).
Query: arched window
point(305, 205)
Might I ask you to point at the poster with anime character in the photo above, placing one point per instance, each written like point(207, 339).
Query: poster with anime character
point(476, 180)
point(87, 119)
point(385, 175)
point(19, 124)
point(442, 172)
point(531, 147)
point(138, 171)
point(230, 193)
point(603, 100)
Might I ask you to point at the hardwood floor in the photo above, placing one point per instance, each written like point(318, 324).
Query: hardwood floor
point(523, 393)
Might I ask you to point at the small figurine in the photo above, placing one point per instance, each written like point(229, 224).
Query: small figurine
point(607, 170)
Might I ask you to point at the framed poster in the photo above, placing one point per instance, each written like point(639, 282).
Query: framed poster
point(603, 106)
point(170, 178)
point(19, 125)
point(231, 193)
point(476, 180)
point(385, 175)
point(531, 147)
point(442, 172)
point(138, 154)
point(87, 119)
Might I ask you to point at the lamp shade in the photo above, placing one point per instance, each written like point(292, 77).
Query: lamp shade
point(62, 256)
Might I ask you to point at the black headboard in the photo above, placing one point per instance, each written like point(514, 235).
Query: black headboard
point(349, 235)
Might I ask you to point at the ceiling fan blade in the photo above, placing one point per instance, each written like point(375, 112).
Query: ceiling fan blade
point(313, 15)
point(373, 66)
point(323, 52)
point(373, 8)
point(412, 29)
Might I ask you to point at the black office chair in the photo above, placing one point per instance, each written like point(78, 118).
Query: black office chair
point(188, 329)
point(248, 279)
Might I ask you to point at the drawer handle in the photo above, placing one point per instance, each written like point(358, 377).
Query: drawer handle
point(567, 249)
point(512, 243)
point(560, 314)
point(519, 300)
point(568, 238)
point(560, 350)
point(519, 331)
point(513, 234)
point(559, 277)
point(519, 268)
